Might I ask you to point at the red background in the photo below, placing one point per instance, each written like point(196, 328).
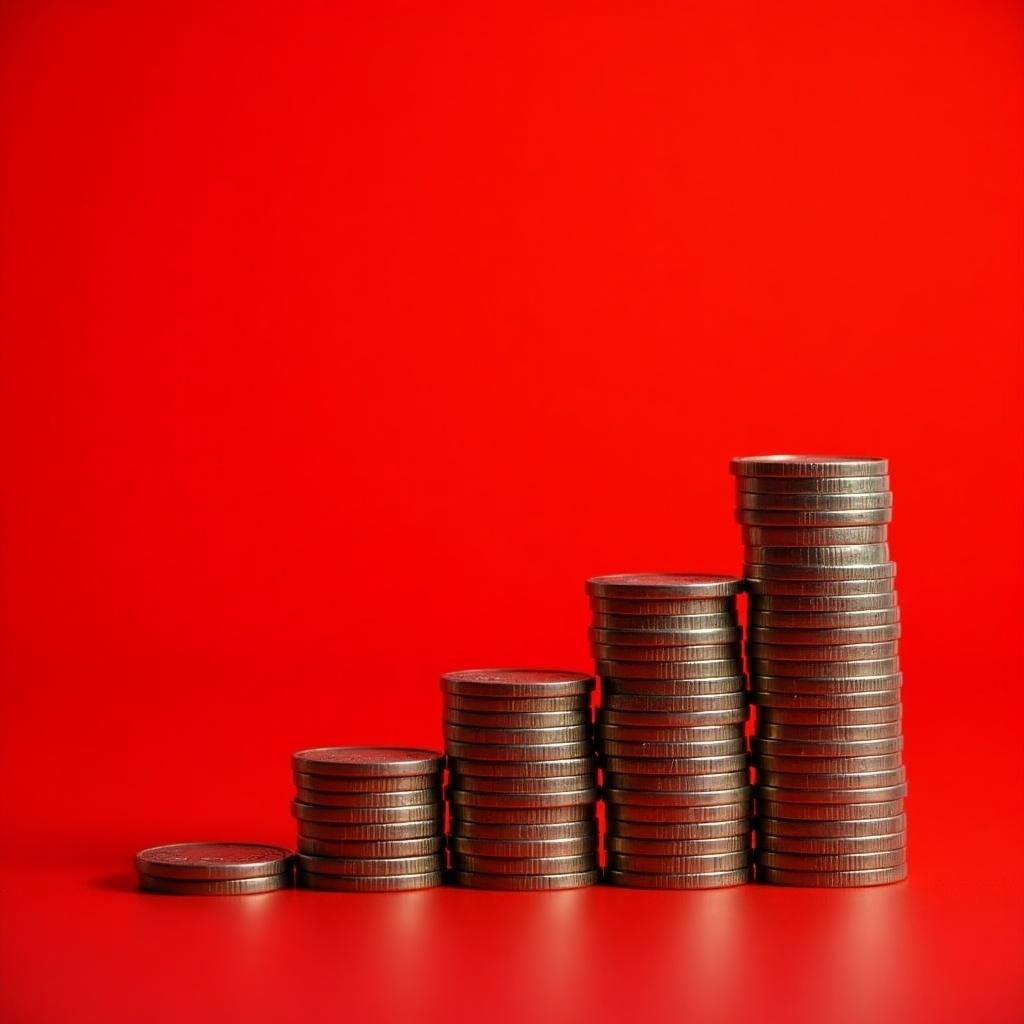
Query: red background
point(340, 343)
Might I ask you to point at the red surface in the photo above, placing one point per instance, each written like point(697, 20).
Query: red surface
point(340, 343)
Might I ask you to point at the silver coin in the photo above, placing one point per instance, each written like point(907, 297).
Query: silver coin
point(713, 653)
point(525, 865)
point(499, 784)
point(767, 501)
point(671, 669)
point(813, 466)
point(680, 847)
point(748, 515)
point(369, 848)
point(578, 733)
point(758, 573)
point(860, 861)
point(837, 636)
point(422, 798)
point(686, 781)
point(507, 752)
point(619, 814)
point(612, 750)
point(812, 536)
point(215, 886)
point(213, 861)
point(670, 720)
point(770, 765)
point(833, 788)
point(659, 607)
point(515, 705)
point(783, 831)
point(878, 585)
point(813, 484)
point(684, 748)
point(701, 880)
point(523, 815)
point(828, 733)
point(478, 798)
point(516, 682)
point(370, 833)
point(829, 701)
point(808, 684)
point(661, 623)
point(820, 847)
point(694, 863)
point(684, 638)
point(671, 797)
point(820, 556)
point(518, 719)
point(762, 604)
point(847, 748)
point(651, 782)
point(525, 883)
point(354, 866)
point(675, 687)
point(510, 849)
point(823, 620)
point(834, 879)
point(462, 766)
point(366, 815)
point(518, 832)
point(708, 702)
point(369, 883)
point(368, 761)
point(668, 832)
point(370, 786)
point(834, 812)
point(663, 585)
point(677, 707)
point(829, 716)
point(826, 670)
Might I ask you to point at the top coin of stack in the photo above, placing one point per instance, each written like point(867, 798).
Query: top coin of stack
point(822, 646)
point(670, 730)
point(522, 778)
point(371, 819)
point(214, 869)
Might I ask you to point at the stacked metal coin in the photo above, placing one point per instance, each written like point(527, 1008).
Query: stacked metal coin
point(371, 819)
point(823, 656)
point(670, 729)
point(522, 778)
point(214, 869)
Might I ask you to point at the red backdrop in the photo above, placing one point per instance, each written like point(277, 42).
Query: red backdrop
point(340, 343)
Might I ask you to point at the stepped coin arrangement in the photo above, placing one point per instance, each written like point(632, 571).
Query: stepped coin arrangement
point(522, 778)
point(214, 869)
point(670, 730)
point(822, 648)
point(370, 819)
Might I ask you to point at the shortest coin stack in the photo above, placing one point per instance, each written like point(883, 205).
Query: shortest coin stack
point(214, 869)
point(371, 819)
point(523, 779)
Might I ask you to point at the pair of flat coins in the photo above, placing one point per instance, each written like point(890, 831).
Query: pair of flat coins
point(370, 819)
point(522, 788)
point(214, 869)
point(670, 730)
point(823, 653)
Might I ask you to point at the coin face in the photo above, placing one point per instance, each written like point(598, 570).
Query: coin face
point(213, 861)
point(814, 466)
point(367, 761)
point(516, 682)
point(656, 585)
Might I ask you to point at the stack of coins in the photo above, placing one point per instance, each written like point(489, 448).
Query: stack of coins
point(371, 819)
point(214, 869)
point(824, 668)
point(522, 778)
point(670, 729)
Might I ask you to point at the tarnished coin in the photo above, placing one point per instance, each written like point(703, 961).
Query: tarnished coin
point(817, 573)
point(680, 847)
point(641, 782)
point(366, 815)
point(516, 682)
point(356, 866)
point(371, 833)
point(677, 707)
point(369, 848)
point(757, 537)
point(507, 752)
point(367, 761)
point(499, 784)
point(709, 640)
point(524, 865)
point(697, 703)
point(750, 514)
point(809, 466)
point(675, 687)
point(845, 748)
point(515, 705)
point(614, 751)
point(715, 653)
point(689, 780)
point(517, 719)
point(670, 720)
point(660, 585)
point(213, 861)
point(843, 637)
point(619, 813)
point(369, 883)
point(215, 886)
point(635, 727)
point(770, 501)
point(769, 653)
point(827, 812)
point(663, 606)
point(671, 669)
point(512, 849)
point(823, 687)
point(827, 670)
point(518, 832)
point(579, 733)
point(877, 586)
point(678, 797)
point(771, 764)
point(401, 798)
point(703, 880)
point(682, 832)
point(768, 620)
point(535, 769)
point(476, 798)
point(662, 623)
point(525, 883)
point(523, 815)
point(864, 828)
point(681, 747)
point(831, 700)
point(832, 879)
point(845, 787)
point(828, 733)
point(831, 847)
point(692, 864)
point(761, 604)
point(372, 786)
point(829, 716)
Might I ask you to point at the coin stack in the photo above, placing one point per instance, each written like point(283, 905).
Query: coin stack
point(214, 869)
point(670, 729)
point(522, 778)
point(371, 819)
point(824, 668)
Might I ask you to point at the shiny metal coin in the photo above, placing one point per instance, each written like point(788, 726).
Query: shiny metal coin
point(524, 865)
point(676, 737)
point(368, 848)
point(831, 847)
point(768, 501)
point(661, 623)
point(855, 573)
point(704, 880)
point(516, 683)
point(731, 792)
point(843, 636)
point(702, 639)
point(497, 784)
point(372, 786)
point(761, 604)
point(647, 831)
point(674, 785)
point(812, 466)
point(784, 685)
point(829, 716)
point(673, 720)
point(865, 828)
point(790, 811)
point(670, 669)
point(663, 606)
point(525, 833)
point(772, 654)
point(676, 687)
point(367, 761)
point(369, 883)
point(836, 787)
point(879, 586)
point(522, 815)
point(357, 866)
point(507, 752)
point(578, 733)
point(371, 833)
point(767, 537)
point(832, 879)
point(522, 769)
point(410, 798)
point(680, 847)
point(614, 752)
point(690, 780)
point(366, 815)
point(715, 653)
point(768, 620)
point(663, 585)
point(827, 670)
point(525, 883)
point(750, 514)
point(770, 764)
point(678, 711)
point(846, 748)
point(619, 813)
point(213, 861)
point(215, 886)
point(828, 733)
point(509, 849)
point(652, 865)
point(515, 705)
point(518, 719)
point(866, 484)
point(830, 700)
point(475, 798)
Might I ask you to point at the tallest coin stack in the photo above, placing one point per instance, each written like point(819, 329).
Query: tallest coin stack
point(824, 669)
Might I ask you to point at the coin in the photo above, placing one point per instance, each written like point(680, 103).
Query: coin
point(370, 883)
point(844, 748)
point(614, 750)
point(808, 684)
point(680, 796)
point(768, 501)
point(824, 620)
point(832, 847)
point(838, 787)
point(356, 866)
point(844, 637)
point(215, 886)
point(761, 604)
point(796, 573)
point(649, 782)
point(540, 848)
point(809, 588)
point(525, 883)
point(663, 585)
point(827, 670)
point(517, 719)
point(832, 879)
point(566, 865)
point(366, 815)
point(629, 606)
point(814, 466)
point(681, 832)
point(699, 731)
point(692, 780)
point(523, 815)
point(411, 798)
point(829, 716)
point(522, 769)
point(831, 701)
point(619, 813)
point(831, 830)
point(770, 764)
point(670, 669)
point(679, 847)
point(675, 687)
point(506, 752)
point(817, 554)
point(515, 705)
point(661, 623)
point(516, 682)
point(826, 812)
point(749, 514)
point(677, 737)
point(709, 653)
point(393, 832)
point(812, 536)
point(476, 798)
point(828, 733)
point(367, 761)
point(213, 861)
point(862, 485)
point(372, 786)
point(685, 638)
point(371, 848)
point(703, 880)
point(519, 832)
point(677, 706)
point(579, 733)
point(499, 784)
point(692, 864)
